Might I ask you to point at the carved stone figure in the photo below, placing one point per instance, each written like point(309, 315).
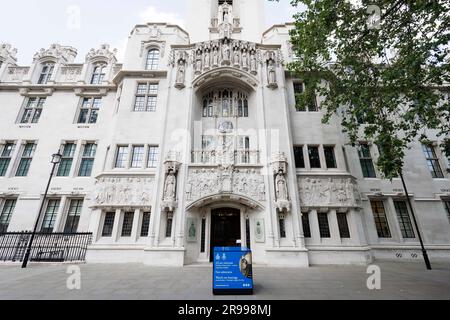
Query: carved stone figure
point(281, 186)
point(198, 64)
point(236, 57)
point(226, 51)
point(328, 192)
point(170, 186)
point(207, 59)
point(271, 72)
point(244, 60)
point(181, 72)
point(215, 57)
point(253, 63)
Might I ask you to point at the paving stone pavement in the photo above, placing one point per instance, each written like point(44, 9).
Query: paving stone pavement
point(399, 281)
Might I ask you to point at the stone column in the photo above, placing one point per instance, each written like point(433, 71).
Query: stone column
point(334, 227)
point(314, 225)
point(135, 233)
point(115, 232)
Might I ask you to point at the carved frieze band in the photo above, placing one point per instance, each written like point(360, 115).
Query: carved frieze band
point(126, 191)
point(206, 182)
point(328, 192)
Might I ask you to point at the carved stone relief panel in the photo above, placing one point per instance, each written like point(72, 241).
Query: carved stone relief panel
point(126, 191)
point(328, 192)
point(205, 182)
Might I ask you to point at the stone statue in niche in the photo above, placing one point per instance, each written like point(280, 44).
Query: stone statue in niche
point(170, 186)
point(215, 57)
point(236, 57)
point(181, 72)
point(244, 60)
point(198, 64)
point(271, 72)
point(253, 63)
point(207, 57)
point(281, 186)
point(226, 51)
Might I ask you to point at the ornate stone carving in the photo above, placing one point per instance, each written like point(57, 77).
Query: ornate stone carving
point(102, 52)
point(8, 52)
point(63, 54)
point(279, 166)
point(123, 191)
point(328, 192)
point(70, 74)
point(181, 70)
point(16, 73)
point(172, 166)
point(208, 182)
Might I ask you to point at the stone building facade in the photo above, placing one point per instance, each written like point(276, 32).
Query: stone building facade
point(195, 141)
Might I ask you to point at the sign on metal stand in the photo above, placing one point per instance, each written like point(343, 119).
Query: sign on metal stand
point(232, 272)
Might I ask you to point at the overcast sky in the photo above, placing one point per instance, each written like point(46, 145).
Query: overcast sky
point(29, 25)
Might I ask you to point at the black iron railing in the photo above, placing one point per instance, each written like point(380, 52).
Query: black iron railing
point(47, 247)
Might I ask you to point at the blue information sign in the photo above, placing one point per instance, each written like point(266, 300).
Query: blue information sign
point(232, 272)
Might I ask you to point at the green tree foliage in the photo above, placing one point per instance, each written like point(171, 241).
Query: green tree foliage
point(382, 65)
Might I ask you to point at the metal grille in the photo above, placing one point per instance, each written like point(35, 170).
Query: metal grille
point(247, 230)
point(404, 220)
point(127, 225)
point(145, 224)
point(47, 247)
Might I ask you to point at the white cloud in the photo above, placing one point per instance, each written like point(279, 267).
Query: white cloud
point(151, 14)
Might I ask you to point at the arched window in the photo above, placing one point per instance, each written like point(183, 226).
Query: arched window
point(98, 74)
point(46, 73)
point(152, 59)
point(228, 103)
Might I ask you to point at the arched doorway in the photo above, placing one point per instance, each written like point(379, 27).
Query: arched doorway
point(225, 228)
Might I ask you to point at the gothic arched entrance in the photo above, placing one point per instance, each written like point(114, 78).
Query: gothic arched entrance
point(225, 228)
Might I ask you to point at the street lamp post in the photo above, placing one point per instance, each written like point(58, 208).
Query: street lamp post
point(424, 251)
point(56, 159)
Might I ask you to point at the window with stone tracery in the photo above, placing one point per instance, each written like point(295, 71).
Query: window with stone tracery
point(225, 103)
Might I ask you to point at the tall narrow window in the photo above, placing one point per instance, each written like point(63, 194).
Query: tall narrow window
point(146, 97)
point(46, 73)
point(122, 157)
point(127, 225)
point(330, 157)
point(145, 224)
point(89, 110)
point(152, 60)
point(66, 160)
point(404, 220)
point(153, 153)
point(73, 216)
point(87, 160)
point(244, 149)
point(51, 212)
point(314, 157)
point(432, 161)
point(365, 158)
point(282, 225)
point(324, 225)
point(33, 110)
point(7, 211)
point(98, 74)
point(299, 157)
point(306, 225)
point(169, 222)
point(25, 160)
point(344, 230)
point(447, 207)
point(108, 225)
point(137, 158)
point(5, 157)
point(381, 222)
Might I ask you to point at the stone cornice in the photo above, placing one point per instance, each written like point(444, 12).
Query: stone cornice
point(139, 74)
